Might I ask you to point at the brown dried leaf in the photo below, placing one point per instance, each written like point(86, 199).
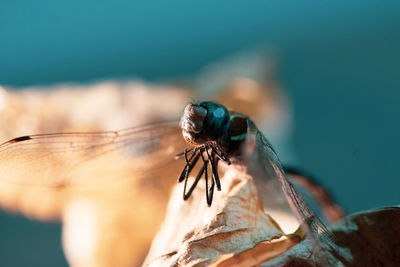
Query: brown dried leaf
point(194, 234)
point(372, 238)
point(262, 252)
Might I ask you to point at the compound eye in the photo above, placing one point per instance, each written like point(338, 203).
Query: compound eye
point(217, 120)
point(220, 113)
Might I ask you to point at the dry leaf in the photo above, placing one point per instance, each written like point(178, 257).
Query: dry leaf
point(194, 234)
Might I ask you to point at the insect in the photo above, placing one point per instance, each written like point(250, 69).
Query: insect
point(216, 134)
point(209, 130)
point(207, 127)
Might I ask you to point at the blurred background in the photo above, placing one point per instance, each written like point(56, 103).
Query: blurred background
point(338, 62)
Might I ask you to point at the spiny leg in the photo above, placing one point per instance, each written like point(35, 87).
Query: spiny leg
point(182, 154)
point(187, 195)
point(185, 153)
point(213, 157)
point(209, 192)
point(221, 153)
point(189, 165)
point(214, 166)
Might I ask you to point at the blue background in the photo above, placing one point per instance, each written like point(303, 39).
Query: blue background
point(339, 64)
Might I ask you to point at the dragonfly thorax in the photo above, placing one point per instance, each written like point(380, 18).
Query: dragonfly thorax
point(204, 122)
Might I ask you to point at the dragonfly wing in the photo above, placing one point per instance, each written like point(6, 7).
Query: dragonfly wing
point(78, 159)
point(264, 165)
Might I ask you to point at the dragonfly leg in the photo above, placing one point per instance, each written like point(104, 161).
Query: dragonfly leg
point(189, 165)
point(185, 153)
point(209, 191)
point(214, 166)
point(182, 154)
point(187, 195)
point(212, 158)
point(221, 153)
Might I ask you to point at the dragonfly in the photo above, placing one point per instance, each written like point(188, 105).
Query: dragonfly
point(207, 131)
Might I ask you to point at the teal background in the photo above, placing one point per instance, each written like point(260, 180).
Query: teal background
point(339, 64)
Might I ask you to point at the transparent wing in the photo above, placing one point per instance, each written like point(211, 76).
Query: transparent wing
point(263, 163)
point(78, 159)
point(316, 192)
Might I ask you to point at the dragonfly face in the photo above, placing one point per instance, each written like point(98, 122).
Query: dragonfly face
point(204, 122)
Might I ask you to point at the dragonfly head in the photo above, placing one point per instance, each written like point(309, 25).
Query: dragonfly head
point(204, 122)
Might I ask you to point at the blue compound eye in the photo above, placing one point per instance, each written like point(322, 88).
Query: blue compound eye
point(217, 121)
point(219, 113)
